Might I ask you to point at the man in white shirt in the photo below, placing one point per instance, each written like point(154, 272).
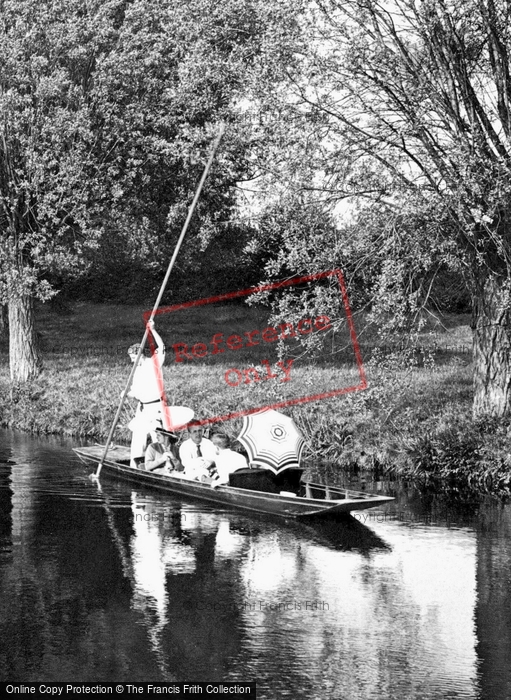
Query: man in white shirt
point(227, 461)
point(146, 388)
point(197, 454)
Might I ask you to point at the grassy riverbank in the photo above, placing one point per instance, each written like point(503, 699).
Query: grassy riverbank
point(414, 417)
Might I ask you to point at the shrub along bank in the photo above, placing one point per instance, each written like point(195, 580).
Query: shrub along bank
point(414, 419)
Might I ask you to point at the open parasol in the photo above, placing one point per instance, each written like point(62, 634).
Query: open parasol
point(178, 416)
point(272, 440)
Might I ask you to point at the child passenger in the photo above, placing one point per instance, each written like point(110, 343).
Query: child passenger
point(227, 461)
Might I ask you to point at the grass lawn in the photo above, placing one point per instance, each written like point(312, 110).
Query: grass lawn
point(410, 399)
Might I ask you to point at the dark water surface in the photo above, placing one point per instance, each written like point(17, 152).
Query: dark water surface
point(120, 584)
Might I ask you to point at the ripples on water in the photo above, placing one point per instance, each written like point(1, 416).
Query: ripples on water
point(118, 584)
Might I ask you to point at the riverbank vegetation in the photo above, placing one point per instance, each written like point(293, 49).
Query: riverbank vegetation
point(414, 418)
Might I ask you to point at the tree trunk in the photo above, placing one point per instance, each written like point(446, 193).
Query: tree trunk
point(4, 323)
point(23, 351)
point(492, 349)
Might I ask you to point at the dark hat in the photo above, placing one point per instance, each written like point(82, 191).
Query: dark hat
point(171, 436)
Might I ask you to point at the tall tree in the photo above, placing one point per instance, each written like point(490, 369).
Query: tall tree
point(106, 108)
point(416, 96)
point(46, 215)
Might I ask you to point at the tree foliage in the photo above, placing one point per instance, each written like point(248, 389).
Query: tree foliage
point(107, 108)
point(408, 107)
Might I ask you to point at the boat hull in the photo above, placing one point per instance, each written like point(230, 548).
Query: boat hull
point(117, 463)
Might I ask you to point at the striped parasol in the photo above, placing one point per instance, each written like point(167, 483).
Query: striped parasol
point(272, 440)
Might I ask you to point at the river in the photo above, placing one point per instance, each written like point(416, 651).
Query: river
point(110, 583)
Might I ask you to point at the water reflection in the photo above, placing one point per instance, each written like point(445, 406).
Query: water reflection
point(493, 612)
point(120, 584)
point(213, 580)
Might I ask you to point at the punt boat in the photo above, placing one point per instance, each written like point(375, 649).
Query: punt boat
point(252, 489)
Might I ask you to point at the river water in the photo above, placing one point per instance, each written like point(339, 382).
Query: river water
point(411, 601)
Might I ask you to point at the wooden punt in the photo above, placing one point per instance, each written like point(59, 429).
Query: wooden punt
point(250, 489)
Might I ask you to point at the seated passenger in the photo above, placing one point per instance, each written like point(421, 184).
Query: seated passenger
point(227, 461)
point(159, 455)
point(197, 455)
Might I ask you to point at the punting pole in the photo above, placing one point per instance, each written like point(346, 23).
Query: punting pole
point(160, 295)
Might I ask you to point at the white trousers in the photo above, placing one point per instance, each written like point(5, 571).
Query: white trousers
point(142, 425)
